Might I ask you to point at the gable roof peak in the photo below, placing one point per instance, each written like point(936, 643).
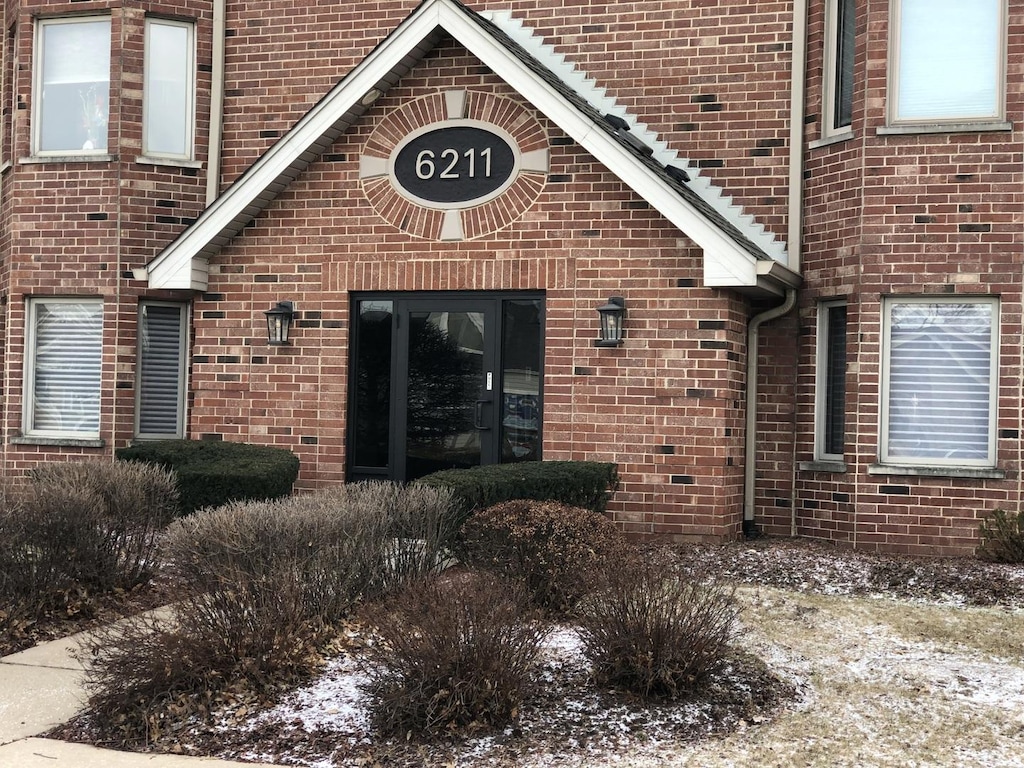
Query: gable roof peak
point(734, 247)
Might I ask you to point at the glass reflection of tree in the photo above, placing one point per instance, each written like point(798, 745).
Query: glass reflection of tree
point(443, 384)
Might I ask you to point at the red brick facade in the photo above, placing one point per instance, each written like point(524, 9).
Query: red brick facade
point(914, 214)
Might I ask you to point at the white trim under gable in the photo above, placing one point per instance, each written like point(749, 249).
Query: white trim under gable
point(730, 259)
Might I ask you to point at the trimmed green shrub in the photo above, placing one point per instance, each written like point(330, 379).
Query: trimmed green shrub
point(1002, 537)
point(214, 472)
point(654, 631)
point(587, 484)
point(454, 654)
point(553, 549)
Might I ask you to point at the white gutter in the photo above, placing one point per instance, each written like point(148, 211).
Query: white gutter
point(216, 102)
point(796, 136)
point(750, 449)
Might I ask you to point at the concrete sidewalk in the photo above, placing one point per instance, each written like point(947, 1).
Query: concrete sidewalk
point(40, 688)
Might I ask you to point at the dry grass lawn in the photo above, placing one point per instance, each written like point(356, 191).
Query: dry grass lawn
point(884, 683)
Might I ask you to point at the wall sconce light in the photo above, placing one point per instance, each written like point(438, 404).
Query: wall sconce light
point(611, 315)
point(279, 323)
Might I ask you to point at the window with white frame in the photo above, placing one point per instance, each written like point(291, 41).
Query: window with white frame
point(169, 89)
point(837, 85)
point(830, 384)
point(947, 61)
point(72, 86)
point(939, 376)
point(64, 348)
point(160, 370)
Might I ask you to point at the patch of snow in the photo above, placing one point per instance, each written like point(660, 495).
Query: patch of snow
point(334, 701)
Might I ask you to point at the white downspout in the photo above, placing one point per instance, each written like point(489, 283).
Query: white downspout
point(216, 102)
point(750, 448)
point(794, 248)
point(794, 251)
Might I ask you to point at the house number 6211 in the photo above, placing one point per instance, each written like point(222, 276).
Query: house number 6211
point(427, 168)
point(454, 164)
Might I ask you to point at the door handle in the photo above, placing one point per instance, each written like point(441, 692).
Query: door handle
point(478, 415)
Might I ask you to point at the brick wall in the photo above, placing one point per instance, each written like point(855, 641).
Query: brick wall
point(932, 213)
point(79, 228)
point(665, 406)
point(935, 214)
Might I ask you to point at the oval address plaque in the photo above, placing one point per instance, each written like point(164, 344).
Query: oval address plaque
point(455, 166)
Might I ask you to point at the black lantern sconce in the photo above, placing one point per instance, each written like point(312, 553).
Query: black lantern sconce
point(279, 323)
point(611, 315)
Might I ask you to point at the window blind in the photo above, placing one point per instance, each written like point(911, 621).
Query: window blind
point(940, 385)
point(161, 370)
point(67, 359)
point(949, 59)
point(835, 382)
point(76, 51)
point(845, 41)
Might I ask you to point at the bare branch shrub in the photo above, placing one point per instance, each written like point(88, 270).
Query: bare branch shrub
point(264, 582)
point(654, 631)
point(76, 529)
point(1002, 537)
point(454, 654)
point(104, 519)
point(26, 583)
point(261, 583)
point(420, 523)
point(140, 668)
point(261, 572)
point(552, 548)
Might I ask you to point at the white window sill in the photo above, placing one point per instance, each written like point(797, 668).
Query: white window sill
point(81, 442)
point(168, 161)
point(835, 138)
point(910, 129)
point(65, 159)
point(980, 473)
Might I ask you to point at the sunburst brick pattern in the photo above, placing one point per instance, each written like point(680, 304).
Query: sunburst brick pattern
point(450, 223)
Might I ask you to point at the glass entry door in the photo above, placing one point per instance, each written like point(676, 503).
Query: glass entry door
point(443, 382)
point(446, 369)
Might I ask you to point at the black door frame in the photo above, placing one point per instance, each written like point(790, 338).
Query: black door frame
point(491, 303)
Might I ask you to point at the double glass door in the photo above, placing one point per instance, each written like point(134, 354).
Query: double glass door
point(444, 381)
